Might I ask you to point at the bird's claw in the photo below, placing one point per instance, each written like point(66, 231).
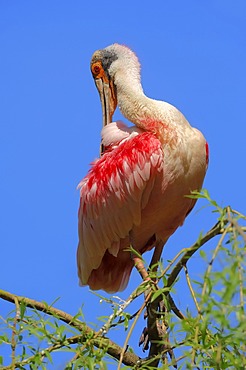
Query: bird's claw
point(144, 340)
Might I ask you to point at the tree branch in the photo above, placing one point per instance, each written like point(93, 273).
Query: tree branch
point(216, 230)
point(98, 341)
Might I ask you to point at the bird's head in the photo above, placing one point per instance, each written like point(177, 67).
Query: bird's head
point(109, 66)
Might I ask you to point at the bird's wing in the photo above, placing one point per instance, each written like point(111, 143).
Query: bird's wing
point(112, 196)
point(116, 132)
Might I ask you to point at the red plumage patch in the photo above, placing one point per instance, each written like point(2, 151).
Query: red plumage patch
point(135, 151)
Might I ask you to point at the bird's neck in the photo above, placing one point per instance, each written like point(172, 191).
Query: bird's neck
point(144, 112)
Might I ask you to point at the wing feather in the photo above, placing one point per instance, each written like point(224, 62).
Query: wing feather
point(112, 196)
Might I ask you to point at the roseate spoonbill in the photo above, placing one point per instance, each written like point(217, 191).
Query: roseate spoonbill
point(135, 194)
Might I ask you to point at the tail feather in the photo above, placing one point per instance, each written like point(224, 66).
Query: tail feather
point(113, 273)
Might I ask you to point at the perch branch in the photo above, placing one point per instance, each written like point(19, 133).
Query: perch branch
point(113, 349)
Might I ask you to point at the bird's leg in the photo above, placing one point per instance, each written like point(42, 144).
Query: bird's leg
point(138, 261)
point(156, 256)
point(153, 266)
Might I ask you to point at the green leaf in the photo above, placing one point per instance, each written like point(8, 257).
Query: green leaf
point(203, 254)
point(22, 309)
point(159, 292)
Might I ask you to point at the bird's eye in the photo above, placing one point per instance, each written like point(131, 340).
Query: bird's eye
point(96, 68)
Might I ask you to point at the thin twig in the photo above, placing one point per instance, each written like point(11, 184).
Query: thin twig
point(191, 289)
point(136, 293)
point(213, 258)
point(174, 308)
point(235, 224)
point(71, 340)
point(238, 213)
point(14, 332)
point(130, 332)
point(193, 350)
point(240, 270)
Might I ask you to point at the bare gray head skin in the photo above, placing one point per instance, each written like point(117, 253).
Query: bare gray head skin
point(105, 57)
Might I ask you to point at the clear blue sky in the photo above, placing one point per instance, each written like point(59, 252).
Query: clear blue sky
point(192, 54)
